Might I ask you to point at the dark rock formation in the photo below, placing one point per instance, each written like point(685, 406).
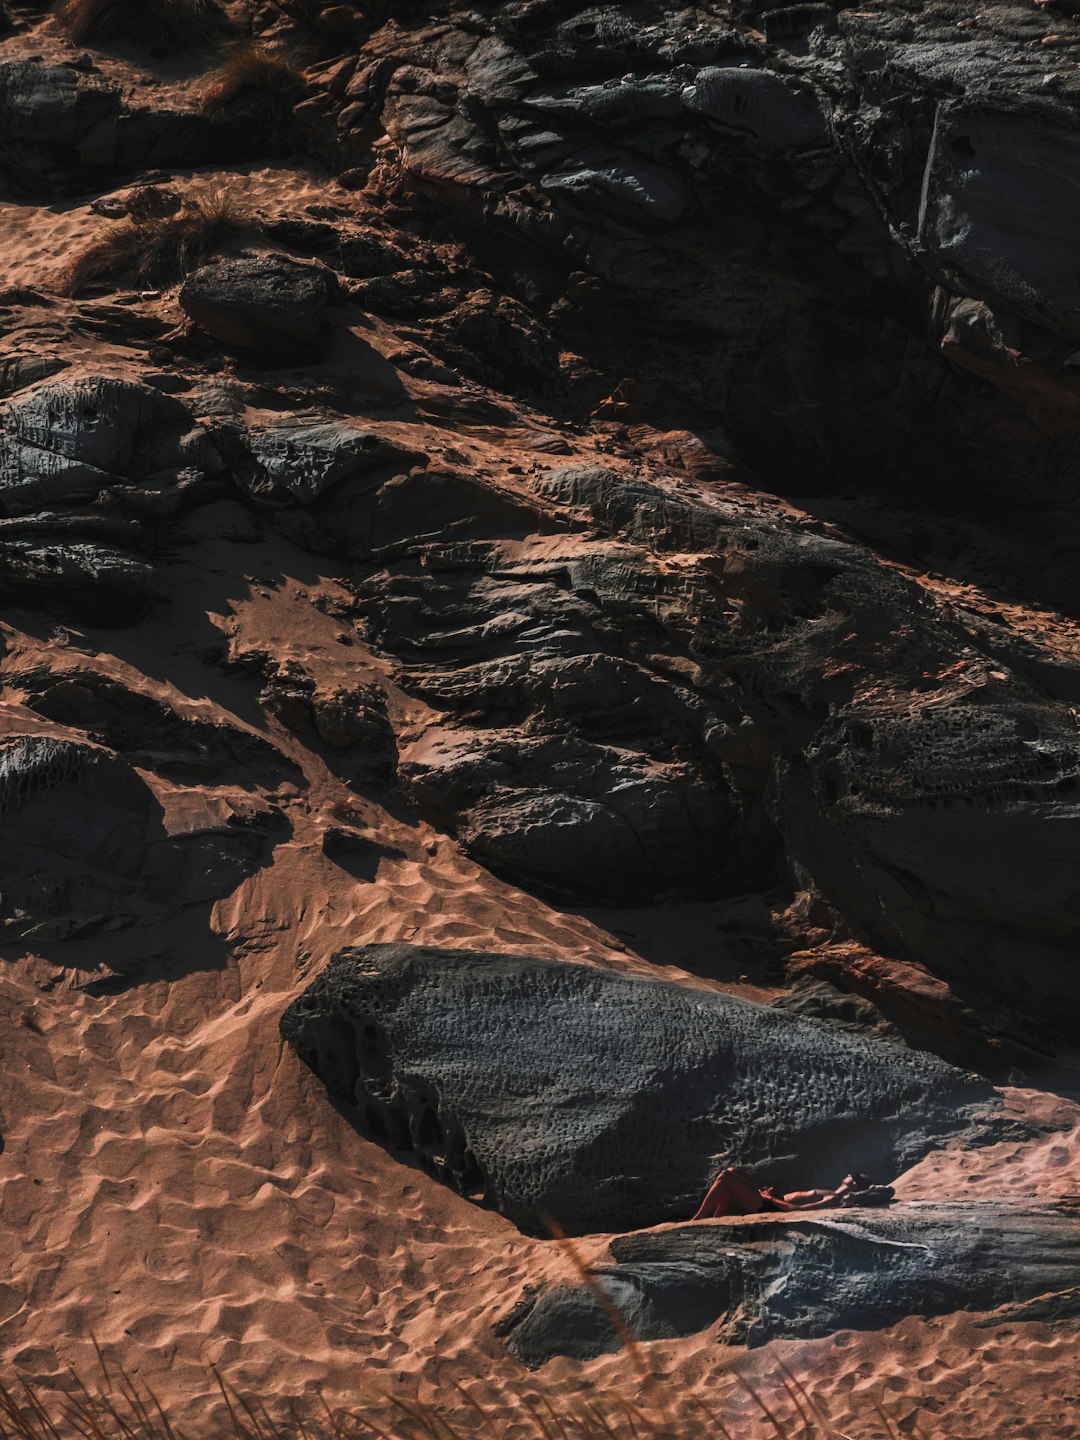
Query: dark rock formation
point(797, 1277)
point(149, 733)
point(66, 440)
point(603, 1102)
point(265, 303)
point(742, 258)
point(84, 846)
point(613, 728)
point(48, 564)
point(84, 461)
point(59, 124)
point(47, 112)
point(300, 458)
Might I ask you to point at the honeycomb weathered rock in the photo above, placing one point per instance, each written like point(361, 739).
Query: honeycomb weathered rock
point(603, 1102)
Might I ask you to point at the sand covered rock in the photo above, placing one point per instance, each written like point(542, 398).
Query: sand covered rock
point(561, 1091)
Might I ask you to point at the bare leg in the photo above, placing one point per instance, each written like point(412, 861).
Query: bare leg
point(731, 1193)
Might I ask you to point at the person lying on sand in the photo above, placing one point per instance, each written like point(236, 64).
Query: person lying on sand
point(734, 1193)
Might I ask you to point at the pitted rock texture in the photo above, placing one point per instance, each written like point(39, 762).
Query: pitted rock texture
point(798, 1277)
point(562, 1092)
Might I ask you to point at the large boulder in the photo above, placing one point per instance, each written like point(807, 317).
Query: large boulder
point(798, 1277)
point(578, 817)
point(558, 1091)
point(97, 419)
point(265, 303)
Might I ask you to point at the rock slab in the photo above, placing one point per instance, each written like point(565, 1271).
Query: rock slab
point(800, 1277)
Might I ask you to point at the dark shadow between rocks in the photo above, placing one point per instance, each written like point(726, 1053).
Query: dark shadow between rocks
point(167, 950)
point(727, 941)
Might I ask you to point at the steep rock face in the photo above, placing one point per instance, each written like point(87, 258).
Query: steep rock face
point(654, 157)
point(799, 1277)
point(555, 1090)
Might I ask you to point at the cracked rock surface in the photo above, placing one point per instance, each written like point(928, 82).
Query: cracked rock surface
point(799, 1277)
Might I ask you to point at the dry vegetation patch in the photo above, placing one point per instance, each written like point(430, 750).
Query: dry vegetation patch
point(122, 1409)
point(258, 87)
point(252, 72)
point(160, 249)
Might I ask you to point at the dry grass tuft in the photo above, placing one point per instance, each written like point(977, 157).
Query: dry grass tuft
point(161, 249)
point(257, 87)
point(151, 24)
point(251, 72)
point(122, 1409)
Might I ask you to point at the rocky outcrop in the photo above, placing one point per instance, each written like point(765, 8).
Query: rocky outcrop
point(798, 1277)
point(736, 256)
point(149, 733)
point(300, 458)
point(61, 122)
point(565, 1093)
point(88, 463)
point(898, 165)
point(68, 439)
point(610, 724)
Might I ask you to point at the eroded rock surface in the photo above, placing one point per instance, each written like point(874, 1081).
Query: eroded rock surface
point(798, 1277)
point(602, 1102)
